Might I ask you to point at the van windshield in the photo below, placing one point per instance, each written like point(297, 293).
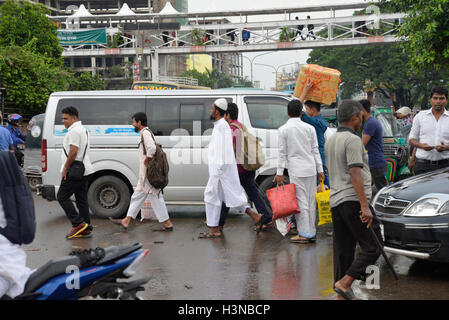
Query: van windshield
point(267, 112)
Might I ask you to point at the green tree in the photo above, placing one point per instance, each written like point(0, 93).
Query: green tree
point(85, 82)
point(385, 67)
point(119, 77)
point(212, 79)
point(22, 22)
point(30, 78)
point(426, 29)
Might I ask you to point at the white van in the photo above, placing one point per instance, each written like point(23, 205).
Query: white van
point(181, 123)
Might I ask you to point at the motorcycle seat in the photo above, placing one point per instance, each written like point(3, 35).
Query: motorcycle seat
point(49, 270)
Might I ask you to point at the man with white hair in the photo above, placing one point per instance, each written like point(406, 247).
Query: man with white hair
point(224, 183)
point(404, 117)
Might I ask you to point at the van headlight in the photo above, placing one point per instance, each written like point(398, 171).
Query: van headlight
point(430, 205)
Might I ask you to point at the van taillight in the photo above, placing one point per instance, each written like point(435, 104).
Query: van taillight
point(44, 155)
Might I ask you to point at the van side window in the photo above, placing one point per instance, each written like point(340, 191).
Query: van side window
point(198, 112)
point(102, 111)
point(267, 112)
point(163, 116)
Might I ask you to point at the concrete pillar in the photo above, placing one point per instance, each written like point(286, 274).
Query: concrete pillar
point(94, 65)
point(155, 66)
point(148, 65)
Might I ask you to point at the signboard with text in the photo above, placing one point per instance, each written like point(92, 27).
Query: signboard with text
point(82, 37)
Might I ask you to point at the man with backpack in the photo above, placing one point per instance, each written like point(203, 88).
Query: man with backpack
point(17, 226)
point(147, 186)
point(246, 176)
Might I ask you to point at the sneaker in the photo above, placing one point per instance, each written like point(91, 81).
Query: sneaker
point(84, 234)
point(78, 229)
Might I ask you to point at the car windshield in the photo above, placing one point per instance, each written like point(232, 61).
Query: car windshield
point(389, 125)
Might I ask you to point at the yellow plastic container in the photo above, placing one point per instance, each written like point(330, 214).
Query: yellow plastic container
point(325, 83)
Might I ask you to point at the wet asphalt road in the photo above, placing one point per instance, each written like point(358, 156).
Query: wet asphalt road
point(241, 266)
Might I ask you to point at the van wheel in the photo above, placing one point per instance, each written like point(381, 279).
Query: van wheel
point(108, 196)
point(266, 185)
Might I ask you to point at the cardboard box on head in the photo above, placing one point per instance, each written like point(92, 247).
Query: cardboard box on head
point(325, 83)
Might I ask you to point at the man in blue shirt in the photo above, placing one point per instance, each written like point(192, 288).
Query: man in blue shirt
point(313, 117)
point(6, 142)
point(17, 136)
point(372, 139)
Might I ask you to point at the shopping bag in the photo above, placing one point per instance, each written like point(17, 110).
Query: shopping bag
point(147, 212)
point(284, 224)
point(324, 208)
point(283, 201)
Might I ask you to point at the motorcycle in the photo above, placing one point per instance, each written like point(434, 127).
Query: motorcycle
point(88, 273)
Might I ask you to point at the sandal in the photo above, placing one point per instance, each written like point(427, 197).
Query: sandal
point(265, 226)
point(348, 295)
point(298, 239)
point(164, 229)
point(208, 235)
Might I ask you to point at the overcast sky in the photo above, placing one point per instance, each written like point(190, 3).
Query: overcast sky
point(266, 74)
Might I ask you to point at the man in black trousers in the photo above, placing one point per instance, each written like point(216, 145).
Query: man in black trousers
point(350, 194)
point(247, 178)
point(75, 149)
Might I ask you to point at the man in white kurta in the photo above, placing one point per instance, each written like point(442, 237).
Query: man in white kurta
point(224, 183)
point(144, 189)
point(13, 270)
point(299, 153)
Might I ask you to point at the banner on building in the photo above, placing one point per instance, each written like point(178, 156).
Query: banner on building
point(84, 37)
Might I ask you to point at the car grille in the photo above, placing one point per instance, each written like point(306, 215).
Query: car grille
point(389, 205)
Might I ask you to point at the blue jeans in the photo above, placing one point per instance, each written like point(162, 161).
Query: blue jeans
point(248, 182)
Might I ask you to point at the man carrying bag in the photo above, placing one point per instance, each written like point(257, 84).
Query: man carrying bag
point(299, 153)
point(76, 167)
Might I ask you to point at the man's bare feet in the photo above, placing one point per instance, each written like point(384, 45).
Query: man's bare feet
point(121, 222)
point(257, 217)
point(168, 224)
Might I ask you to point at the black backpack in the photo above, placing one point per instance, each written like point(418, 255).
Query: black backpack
point(17, 202)
point(157, 170)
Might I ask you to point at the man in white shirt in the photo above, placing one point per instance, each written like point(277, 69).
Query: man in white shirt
point(299, 153)
point(144, 190)
point(223, 185)
point(430, 134)
point(75, 149)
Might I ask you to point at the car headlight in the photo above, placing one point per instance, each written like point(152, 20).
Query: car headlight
point(430, 205)
point(427, 207)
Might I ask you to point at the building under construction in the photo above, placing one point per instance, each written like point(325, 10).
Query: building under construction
point(121, 59)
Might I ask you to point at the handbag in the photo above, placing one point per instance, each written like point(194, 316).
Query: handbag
point(76, 170)
point(283, 201)
point(324, 209)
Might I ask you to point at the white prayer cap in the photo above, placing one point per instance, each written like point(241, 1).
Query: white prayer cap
point(221, 104)
point(406, 111)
